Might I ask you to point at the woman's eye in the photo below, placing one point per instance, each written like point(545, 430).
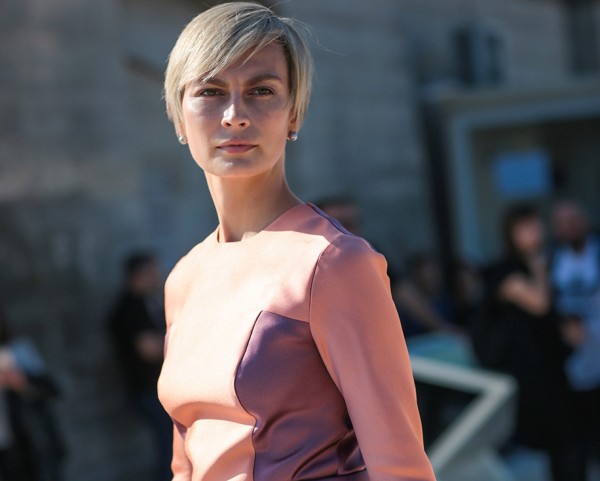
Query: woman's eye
point(209, 93)
point(262, 91)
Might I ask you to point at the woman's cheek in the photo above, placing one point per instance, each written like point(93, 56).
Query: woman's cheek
point(202, 109)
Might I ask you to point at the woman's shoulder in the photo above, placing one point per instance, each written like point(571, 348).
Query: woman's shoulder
point(339, 248)
point(309, 241)
point(336, 240)
point(351, 255)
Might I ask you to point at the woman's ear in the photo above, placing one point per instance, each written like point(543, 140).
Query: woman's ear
point(293, 125)
point(292, 133)
point(180, 132)
point(181, 136)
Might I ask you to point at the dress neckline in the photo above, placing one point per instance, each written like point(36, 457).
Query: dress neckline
point(269, 227)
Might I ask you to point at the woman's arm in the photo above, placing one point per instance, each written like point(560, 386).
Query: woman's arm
point(357, 331)
point(532, 294)
point(409, 298)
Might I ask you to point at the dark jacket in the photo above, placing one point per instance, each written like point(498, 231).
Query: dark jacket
point(130, 316)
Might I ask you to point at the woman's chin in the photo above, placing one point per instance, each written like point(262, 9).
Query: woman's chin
point(237, 167)
point(235, 170)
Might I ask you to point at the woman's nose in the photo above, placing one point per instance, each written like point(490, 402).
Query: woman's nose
point(235, 115)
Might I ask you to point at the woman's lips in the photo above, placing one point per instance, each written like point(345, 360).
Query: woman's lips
point(236, 147)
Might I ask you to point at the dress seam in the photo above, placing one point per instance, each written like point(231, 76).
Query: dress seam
point(240, 400)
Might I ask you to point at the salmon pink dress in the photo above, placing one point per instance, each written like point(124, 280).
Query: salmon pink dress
point(285, 360)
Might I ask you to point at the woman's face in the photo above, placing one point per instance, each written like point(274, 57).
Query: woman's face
point(528, 236)
point(237, 123)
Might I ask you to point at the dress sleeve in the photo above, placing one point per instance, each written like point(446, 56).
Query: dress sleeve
point(357, 331)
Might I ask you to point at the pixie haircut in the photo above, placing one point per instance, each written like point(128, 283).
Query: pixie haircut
point(223, 34)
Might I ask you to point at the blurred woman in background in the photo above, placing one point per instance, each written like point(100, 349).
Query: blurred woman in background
point(518, 333)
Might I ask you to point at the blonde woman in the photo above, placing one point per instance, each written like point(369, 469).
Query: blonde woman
point(285, 360)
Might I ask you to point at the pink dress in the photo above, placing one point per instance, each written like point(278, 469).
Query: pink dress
point(285, 360)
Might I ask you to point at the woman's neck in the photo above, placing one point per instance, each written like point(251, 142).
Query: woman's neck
point(245, 206)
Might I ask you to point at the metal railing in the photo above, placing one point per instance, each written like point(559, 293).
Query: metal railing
point(467, 449)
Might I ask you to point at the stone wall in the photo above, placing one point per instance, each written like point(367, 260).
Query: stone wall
point(82, 184)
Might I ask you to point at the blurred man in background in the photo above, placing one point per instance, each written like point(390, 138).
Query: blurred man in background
point(575, 276)
point(137, 326)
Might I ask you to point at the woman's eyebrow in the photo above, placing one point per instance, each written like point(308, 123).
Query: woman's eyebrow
point(253, 80)
point(264, 77)
point(213, 81)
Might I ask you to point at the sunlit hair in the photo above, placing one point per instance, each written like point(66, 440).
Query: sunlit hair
point(220, 36)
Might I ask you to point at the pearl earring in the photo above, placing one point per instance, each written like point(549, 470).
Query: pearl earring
point(182, 140)
point(293, 136)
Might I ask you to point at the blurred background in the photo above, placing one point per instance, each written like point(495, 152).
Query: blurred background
point(431, 116)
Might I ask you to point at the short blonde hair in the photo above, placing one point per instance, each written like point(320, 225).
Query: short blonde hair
point(223, 34)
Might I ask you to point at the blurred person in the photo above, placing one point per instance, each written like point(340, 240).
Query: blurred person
point(467, 291)
point(433, 313)
point(576, 281)
point(285, 357)
point(417, 315)
point(137, 327)
point(425, 274)
point(344, 209)
point(31, 448)
point(518, 333)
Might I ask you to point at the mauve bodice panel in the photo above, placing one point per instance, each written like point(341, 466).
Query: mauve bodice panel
point(302, 429)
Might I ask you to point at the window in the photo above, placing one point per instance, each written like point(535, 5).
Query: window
point(480, 55)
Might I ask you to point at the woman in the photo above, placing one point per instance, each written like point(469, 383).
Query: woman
point(285, 359)
point(519, 334)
